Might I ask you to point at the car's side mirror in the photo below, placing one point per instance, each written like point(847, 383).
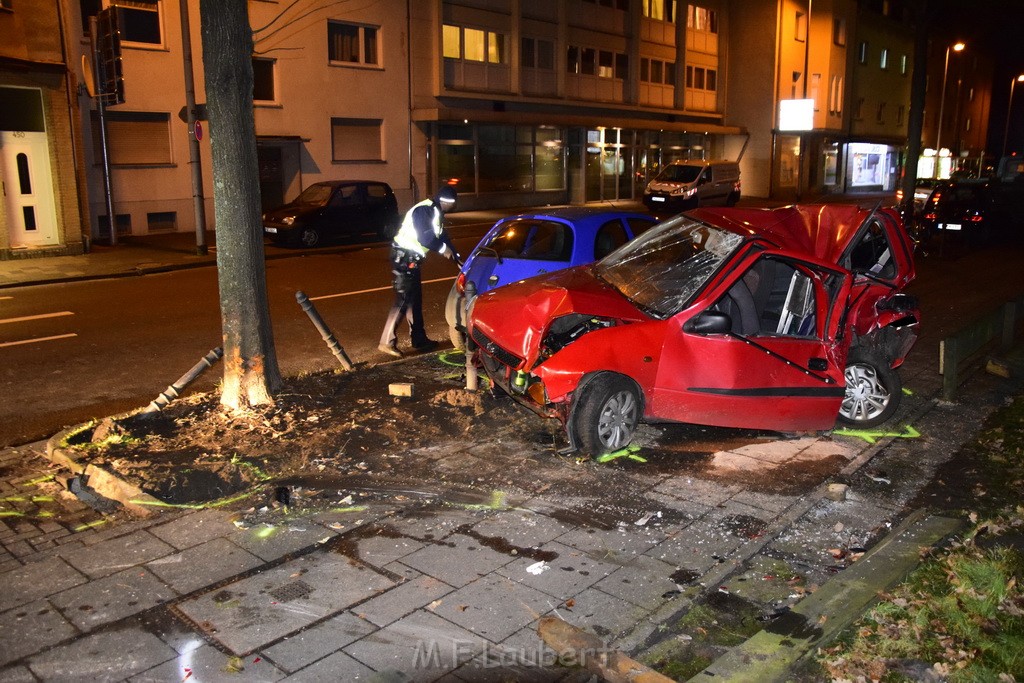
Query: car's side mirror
point(709, 322)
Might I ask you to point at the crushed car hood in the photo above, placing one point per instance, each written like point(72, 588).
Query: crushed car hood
point(542, 299)
point(824, 230)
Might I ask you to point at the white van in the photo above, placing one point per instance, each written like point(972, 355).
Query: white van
point(688, 184)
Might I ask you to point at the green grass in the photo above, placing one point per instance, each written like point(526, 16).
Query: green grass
point(960, 614)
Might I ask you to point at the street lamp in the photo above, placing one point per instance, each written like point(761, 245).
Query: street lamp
point(955, 47)
point(1009, 108)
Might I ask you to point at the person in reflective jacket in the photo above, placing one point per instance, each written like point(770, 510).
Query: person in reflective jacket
point(421, 231)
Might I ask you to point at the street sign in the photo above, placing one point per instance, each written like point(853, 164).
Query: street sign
point(198, 130)
point(200, 113)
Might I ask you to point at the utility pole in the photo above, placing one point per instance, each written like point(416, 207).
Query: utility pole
point(101, 69)
point(194, 160)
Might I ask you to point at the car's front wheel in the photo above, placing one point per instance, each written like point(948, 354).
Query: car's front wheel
point(873, 390)
point(606, 415)
point(309, 236)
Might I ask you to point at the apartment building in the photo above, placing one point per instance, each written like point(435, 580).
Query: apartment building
point(40, 158)
point(520, 102)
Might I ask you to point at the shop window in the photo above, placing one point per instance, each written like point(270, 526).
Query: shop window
point(352, 43)
point(134, 138)
point(263, 80)
point(356, 140)
point(139, 21)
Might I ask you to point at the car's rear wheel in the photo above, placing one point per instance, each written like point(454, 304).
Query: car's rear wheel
point(309, 236)
point(873, 390)
point(607, 414)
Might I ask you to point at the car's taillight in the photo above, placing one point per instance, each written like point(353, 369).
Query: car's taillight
point(899, 195)
point(460, 283)
point(977, 219)
point(931, 216)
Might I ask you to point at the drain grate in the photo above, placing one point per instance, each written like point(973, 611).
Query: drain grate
point(291, 591)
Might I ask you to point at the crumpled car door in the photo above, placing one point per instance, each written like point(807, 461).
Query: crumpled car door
point(780, 363)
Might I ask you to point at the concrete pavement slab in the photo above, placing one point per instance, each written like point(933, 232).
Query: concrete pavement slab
point(31, 628)
point(316, 642)
point(117, 554)
point(378, 544)
point(600, 613)
point(17, 674)
point(422, 646)
point(274, 540)
point(457, 560)
point(110, 655)
point(403, 599)
point(193, 528)
point(255, 611)
point(36, 580)
point(209, 665)
point(709, 493)
point(337, 667)
point(202, 565)
point(522, 527)
point(112, 598)
point(644, 582)
point(699, 546)
point(495, 607)
point(567, 573)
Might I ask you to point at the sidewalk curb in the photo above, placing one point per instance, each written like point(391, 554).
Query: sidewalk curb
point(770, 654)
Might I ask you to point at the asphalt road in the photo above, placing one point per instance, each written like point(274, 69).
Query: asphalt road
point(108, 346)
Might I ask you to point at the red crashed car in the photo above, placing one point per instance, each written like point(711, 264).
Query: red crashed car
point(779, 319)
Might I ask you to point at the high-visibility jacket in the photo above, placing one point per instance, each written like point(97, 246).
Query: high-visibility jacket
point(421, 230)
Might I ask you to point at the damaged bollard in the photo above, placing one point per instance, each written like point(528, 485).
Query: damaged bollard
point(321, 327)
point(467, 300)
point(172, 392)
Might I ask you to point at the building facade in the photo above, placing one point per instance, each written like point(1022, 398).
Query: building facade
point(40, 154)
point(519, 102)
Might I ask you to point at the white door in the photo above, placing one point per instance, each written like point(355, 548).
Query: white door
point(28, 189)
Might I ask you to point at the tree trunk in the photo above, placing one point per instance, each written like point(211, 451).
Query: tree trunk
point(251, 374)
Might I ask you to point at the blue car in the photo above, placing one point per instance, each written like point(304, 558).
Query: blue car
point(531, 244)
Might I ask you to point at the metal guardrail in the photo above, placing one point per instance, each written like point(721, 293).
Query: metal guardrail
point(956, 351)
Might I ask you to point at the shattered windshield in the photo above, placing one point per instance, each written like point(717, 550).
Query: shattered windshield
point(316, 194)
point(661, 270)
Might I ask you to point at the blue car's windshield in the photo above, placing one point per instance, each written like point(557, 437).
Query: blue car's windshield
point(661, 270)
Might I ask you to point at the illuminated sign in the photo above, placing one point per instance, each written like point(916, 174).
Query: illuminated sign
point(796, 115)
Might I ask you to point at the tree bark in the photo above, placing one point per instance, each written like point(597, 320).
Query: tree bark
point(251, 374)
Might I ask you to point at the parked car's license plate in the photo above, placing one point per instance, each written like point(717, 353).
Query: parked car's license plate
point(657, 199)
point(270, 230)
point(949, 226)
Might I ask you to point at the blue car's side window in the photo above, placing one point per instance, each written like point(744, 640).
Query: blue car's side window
point(534, 240)
point(610, 237)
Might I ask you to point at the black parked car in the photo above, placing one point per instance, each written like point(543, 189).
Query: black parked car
point(960, 210)
point(334, 209)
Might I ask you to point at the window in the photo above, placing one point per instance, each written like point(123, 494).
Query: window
point(883, 58)
point(901, 112)
point(474, 45)
point(162, 221)
point(661, 10)
point(537, 53)
point(610, 237)
point(139, 21)
point(880, 114)
point(839, 31)
point(352, 44)
point(701, 78)
point(356, 140)
point(617, 4)
point(967, 125)
point(134, 138)
point(701, 19)
point(800, 27)
point(263, 80)
point(586, 61)
point(534, 240)
point(903, 65)
point(862, 53)
point(89, 8)
point(970, 94)
point(858, 113)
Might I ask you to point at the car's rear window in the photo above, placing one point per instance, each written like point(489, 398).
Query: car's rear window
point(536, 240)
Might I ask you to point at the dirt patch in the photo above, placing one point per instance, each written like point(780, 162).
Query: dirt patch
point(334, 431)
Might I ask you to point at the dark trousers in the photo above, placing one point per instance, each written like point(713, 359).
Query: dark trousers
point(408, 303)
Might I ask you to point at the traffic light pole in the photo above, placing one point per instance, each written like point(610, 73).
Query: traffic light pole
point(194, 161)
point(101, 110)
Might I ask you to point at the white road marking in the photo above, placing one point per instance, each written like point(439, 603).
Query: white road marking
point(37, 339)
point(35, 317)
point(375, 289)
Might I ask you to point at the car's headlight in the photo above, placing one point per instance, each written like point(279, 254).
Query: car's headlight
point(288, 220)
point(683, 192)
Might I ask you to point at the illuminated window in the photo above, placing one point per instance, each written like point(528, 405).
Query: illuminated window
point(883, 58)
point(352, 44)
point(661, 10)
point(701, 19)
point(903, 65)
point(473, 45)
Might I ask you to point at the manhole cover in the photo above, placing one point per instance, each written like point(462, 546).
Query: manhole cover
point(291, 591)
